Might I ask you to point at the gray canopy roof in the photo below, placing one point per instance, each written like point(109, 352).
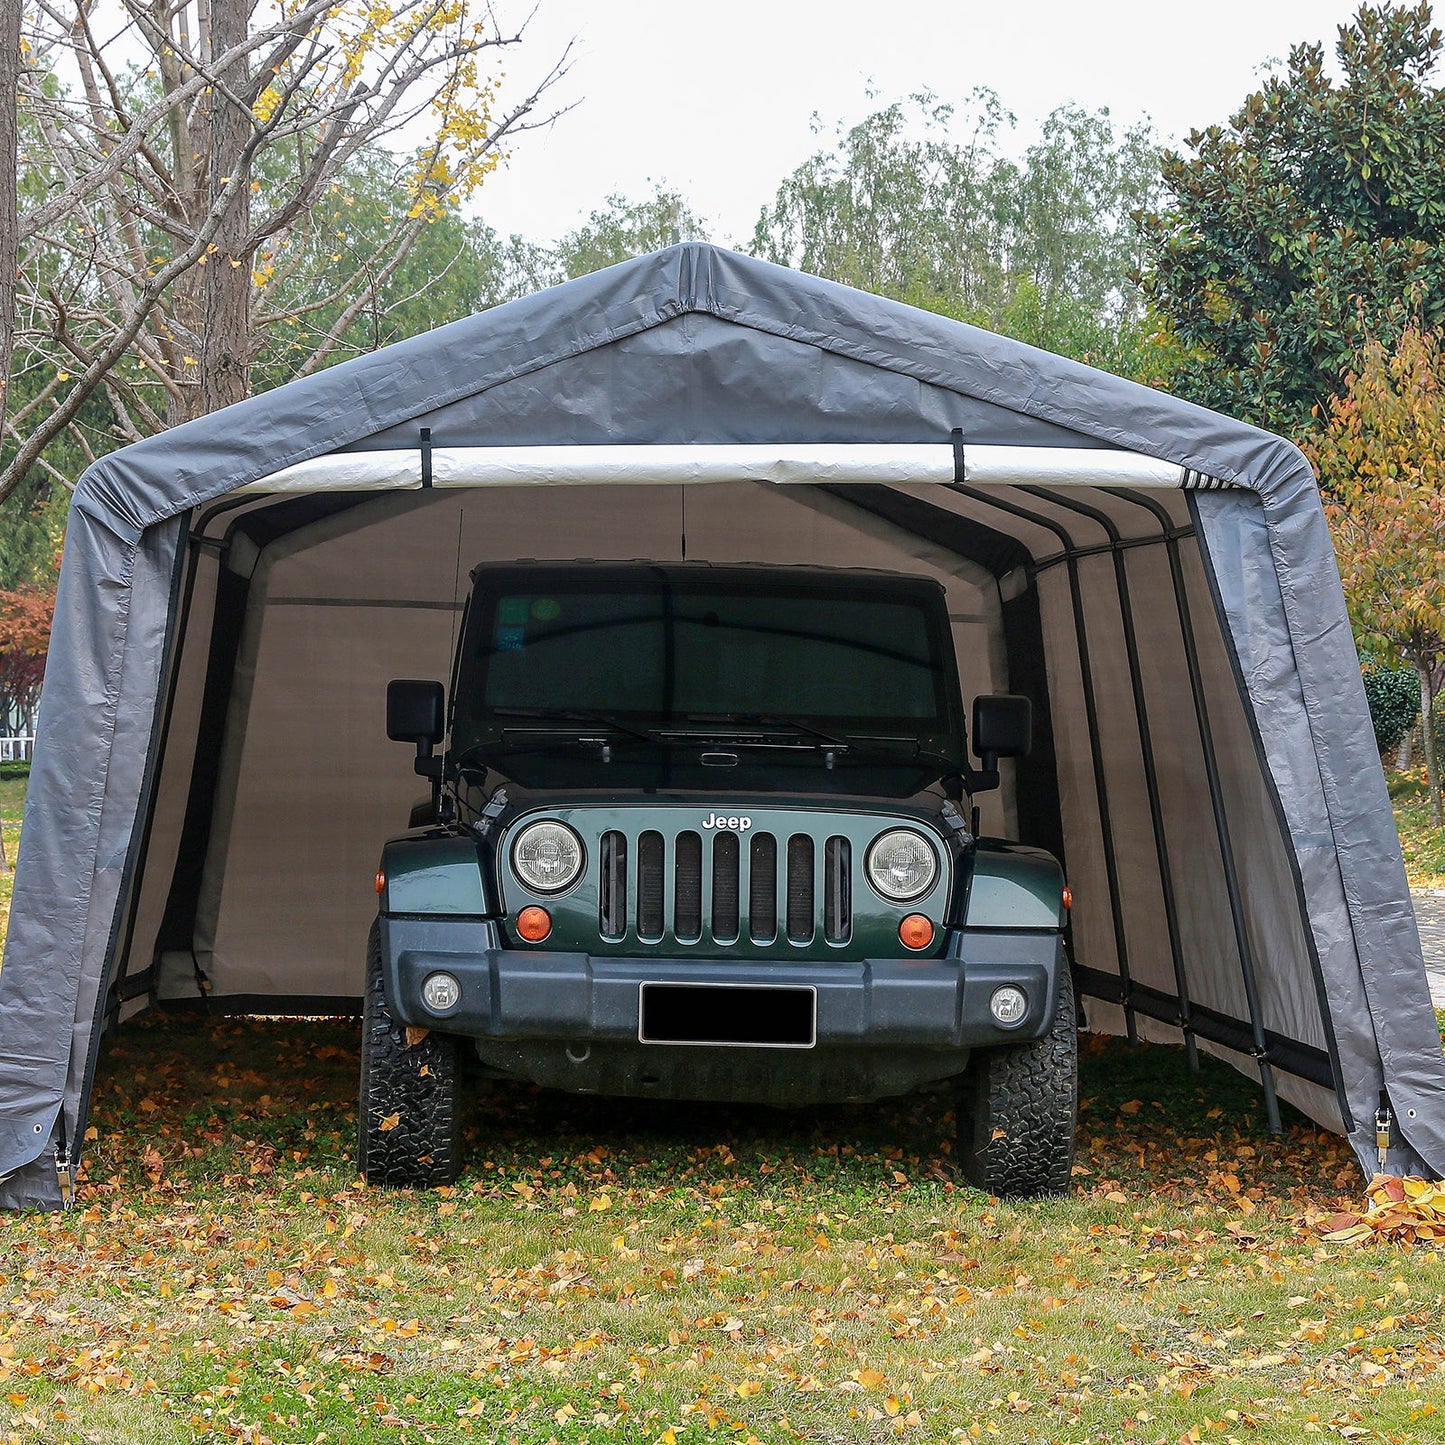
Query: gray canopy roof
point(211, 783)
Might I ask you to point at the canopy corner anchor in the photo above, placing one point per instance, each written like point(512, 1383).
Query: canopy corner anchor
point(1384, 1122)
point(958, 469)
point(64, 1176)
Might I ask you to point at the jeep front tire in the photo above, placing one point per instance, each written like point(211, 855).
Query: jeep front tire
point(1017, 1110)
point(409, 1123)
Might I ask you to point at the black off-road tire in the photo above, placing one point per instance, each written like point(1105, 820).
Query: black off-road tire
point(409, 1123)
point(1017, 1110)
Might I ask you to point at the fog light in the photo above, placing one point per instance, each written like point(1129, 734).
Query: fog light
point(1008, 1005)
point(534, 924)
point(915, 931)
point(440, 992)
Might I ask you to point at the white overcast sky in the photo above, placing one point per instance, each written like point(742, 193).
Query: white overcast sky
point(716, 100)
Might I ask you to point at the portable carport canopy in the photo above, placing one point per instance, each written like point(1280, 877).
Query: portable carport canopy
point(212, 784)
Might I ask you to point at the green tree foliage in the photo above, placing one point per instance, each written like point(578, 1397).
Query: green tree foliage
point(922, 202)
point(1382, 458)
point(331, 288)
point(32, 523)
point(1393, 694)
point(623, 228)
point(1311, 222)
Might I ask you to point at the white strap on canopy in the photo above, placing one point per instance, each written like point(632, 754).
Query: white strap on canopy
point(782, 464)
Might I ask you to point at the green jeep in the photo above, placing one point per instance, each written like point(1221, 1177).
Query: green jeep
point(704, 832)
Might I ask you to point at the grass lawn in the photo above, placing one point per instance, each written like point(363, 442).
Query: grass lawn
point(12, 802)
point(675, 1274)
point(1423, 844)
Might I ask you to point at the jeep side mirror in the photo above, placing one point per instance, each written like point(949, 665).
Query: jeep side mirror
point(416, 713)
point(1002, 728)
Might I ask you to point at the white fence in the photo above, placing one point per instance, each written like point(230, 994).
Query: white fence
point(16, 750)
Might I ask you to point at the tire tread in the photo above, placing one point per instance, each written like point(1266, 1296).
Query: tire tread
point(1017, 1110)
point(416, 1082)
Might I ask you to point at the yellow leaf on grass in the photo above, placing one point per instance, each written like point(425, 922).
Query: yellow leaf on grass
point(749, 1388)
point(599, 1203)
point(871, 1379)
point(390, 1122)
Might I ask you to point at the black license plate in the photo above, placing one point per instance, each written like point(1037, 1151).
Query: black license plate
point(755, 1016)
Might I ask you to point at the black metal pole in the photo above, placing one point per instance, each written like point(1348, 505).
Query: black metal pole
point(1146, 752)
point(1221, 815)
point(1101, 791)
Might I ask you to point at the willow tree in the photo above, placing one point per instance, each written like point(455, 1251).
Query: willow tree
point(165, 200)
point(1381, 458)
point(927, 202)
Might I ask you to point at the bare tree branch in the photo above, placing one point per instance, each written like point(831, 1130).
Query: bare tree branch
point(142, 258)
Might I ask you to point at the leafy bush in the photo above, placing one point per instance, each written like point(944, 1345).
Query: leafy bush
point(14, 770)
point(1394, 697)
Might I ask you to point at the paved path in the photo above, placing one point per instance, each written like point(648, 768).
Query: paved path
point(1430, 915)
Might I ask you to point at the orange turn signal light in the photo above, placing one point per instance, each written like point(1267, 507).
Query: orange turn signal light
point(534, 924)
point(1068, 899)
point(915, 931)
point(380, 881)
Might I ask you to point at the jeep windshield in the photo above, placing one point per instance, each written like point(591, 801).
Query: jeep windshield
point(664, 656)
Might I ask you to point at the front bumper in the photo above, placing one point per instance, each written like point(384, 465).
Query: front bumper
point(578, 998)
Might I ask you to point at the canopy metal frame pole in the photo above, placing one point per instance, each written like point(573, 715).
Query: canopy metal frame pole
point(1091, 713)
point(1221, 813)
point(1146, 752)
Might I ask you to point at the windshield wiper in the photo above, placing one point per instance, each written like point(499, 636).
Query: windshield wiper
point(571, 714)
point(532, 740)
point(855, 744)
point(887, 744)
point(835, 741)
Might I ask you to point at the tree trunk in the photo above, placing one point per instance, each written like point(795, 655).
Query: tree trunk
point(9, 199)
point(1427, 739)
point(226, 319)
point(1404, 754)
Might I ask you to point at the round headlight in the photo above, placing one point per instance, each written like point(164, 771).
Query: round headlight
point(901, 865)
point(547, 857)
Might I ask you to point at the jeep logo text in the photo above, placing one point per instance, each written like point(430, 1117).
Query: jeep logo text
point(738, 825)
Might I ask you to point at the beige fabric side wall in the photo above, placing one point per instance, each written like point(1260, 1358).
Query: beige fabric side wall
point(1276, 939)
point(174, 778)
point(1214, 975)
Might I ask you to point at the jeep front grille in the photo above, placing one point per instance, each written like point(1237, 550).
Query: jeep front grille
point(734, 868)
point(763, 889)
